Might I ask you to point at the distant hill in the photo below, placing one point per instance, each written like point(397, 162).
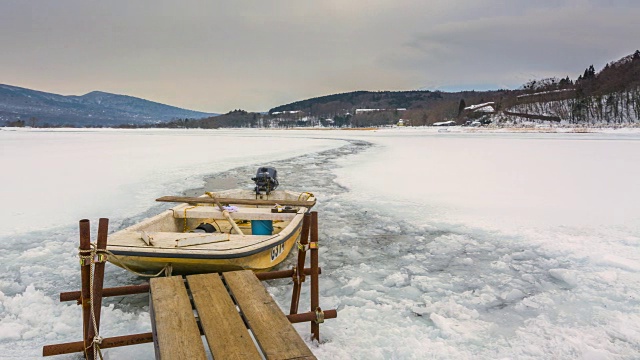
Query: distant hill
point(93, 109)
point(611, 95)
point(390, 100)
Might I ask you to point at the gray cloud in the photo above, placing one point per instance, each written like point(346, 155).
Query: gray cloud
point(256, 54)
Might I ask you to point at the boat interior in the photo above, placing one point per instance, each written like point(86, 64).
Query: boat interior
point(189, 225)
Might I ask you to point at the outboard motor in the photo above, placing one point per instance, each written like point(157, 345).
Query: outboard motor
point(266, 180)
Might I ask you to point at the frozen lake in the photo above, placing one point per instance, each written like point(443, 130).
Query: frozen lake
point(433, 245)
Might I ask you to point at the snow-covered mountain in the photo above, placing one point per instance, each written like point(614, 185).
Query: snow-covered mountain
point(92, 109)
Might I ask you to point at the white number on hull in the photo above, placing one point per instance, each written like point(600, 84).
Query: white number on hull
point(276, 251)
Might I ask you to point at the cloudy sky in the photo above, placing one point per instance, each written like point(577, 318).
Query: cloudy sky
point(221, 55)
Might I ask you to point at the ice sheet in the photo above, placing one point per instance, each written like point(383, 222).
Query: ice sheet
point(56, 177)
point(445, 246)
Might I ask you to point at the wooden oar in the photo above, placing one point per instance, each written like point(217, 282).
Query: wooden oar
point(205, 200)
point(225, 213)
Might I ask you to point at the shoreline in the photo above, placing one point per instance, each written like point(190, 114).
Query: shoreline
point(561, 129)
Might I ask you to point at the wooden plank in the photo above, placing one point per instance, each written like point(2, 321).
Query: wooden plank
point(167, 240)
point(273, 331)
point(201, 240)
point(226, 333)
point(208, 200)
point(207, 212)
point(175, 331)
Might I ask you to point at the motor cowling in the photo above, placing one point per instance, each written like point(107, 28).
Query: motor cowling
point(266, 180)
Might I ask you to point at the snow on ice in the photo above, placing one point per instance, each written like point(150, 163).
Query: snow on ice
point(444, 246)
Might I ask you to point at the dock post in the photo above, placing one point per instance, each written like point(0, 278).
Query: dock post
point(315, 297)
point(298, 275)
point(98, 281)
point(85, 272)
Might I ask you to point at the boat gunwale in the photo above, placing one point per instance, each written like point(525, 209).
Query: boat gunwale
point(283, 236)
point(197, 253)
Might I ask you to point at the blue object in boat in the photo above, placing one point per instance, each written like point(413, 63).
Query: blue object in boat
point(261, 227)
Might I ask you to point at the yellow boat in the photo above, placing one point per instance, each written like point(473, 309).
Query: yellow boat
point(253, 231)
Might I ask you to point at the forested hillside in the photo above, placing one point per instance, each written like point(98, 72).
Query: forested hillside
point(610, 96)
point(26, 107)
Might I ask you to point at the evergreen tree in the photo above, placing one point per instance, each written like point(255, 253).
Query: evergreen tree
point(461, 106)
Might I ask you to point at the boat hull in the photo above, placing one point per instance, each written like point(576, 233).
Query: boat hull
point(168, 240)
point(197, 263)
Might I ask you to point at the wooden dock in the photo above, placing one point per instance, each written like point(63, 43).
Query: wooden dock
point(233, 309)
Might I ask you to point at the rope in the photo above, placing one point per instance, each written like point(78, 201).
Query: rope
point(303, 193)
point(185, 217)
point(167, 269)
point(97, 339)
point(186, 228)
point(102, 255)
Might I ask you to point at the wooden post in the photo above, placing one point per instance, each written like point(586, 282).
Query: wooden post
point(85, 272)
point(98, 281)
point(298, 276)
point(110, 342)
point(315, 297)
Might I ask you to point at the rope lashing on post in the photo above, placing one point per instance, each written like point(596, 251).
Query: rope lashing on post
point(301, 247)
point(307, 193)
point(319, 316)
point(91, 259)
point(104, 254)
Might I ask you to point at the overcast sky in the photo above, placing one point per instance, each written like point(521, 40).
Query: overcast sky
point(221, 55)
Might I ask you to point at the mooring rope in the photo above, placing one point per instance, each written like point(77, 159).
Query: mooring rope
point(97, 339)
point(102, 255)
point(305, 193)
point(167, 269)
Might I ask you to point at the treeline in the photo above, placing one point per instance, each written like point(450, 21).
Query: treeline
point(34, 123)
point(417, 107)
point(607, 96)
point(610, 96)
point(622, 107)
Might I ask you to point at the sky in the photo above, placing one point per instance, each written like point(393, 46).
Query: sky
point(217, 56)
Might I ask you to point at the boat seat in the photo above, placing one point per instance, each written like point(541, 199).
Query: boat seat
point(210, 212)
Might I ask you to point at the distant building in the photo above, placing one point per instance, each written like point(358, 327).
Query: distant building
point(286, 112)
point(444, 123)
point(484, 107)
point(372, 110)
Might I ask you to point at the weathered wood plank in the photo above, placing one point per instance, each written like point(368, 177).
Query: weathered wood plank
point(273, 331)
point(201, 240)
point(207, 212)
point(207, 200)
point(226, 333)
point(175, 331)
